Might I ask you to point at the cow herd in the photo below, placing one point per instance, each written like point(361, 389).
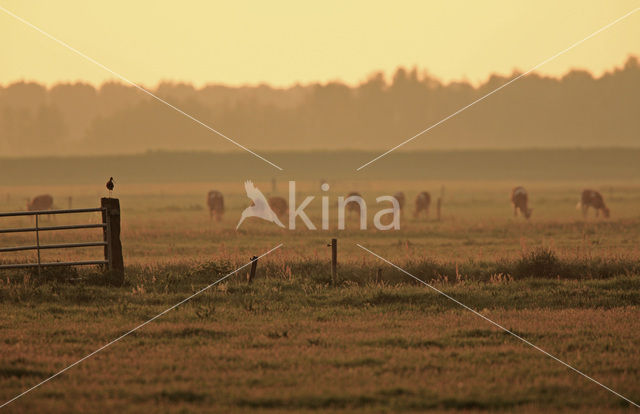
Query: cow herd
point(215, 203)
point(519, 200)
point(588, 198)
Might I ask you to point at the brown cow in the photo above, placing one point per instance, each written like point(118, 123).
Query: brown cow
point(423, 202)
point(592, 198)
point(353, 206)
point(278, 205)
point(215, 201)
point(519, 200)
point(401, 200)
point(41, 202)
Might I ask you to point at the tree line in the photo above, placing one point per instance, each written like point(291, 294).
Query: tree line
point(575, 110)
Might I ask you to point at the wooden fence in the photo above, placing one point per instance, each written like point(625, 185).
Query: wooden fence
point(113, 261)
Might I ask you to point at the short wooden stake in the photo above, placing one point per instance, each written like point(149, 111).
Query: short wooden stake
point(379, 275)
point(254, 267)
point(334, 260)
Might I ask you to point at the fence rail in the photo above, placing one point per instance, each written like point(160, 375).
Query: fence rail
point(47, 212)
point(52, 246)
point(52, 264)
point(110, 209)
point(53, 228)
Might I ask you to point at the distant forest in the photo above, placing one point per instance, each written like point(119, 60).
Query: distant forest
point(576, 110)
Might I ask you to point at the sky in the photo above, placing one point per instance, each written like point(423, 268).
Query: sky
point(287, 42)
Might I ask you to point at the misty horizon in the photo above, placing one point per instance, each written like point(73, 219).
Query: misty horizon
point(576, 110)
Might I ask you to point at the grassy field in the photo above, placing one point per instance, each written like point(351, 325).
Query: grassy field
point(168, 223)
point(291, 342)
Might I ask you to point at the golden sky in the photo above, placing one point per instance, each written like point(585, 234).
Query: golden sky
point(284, 42)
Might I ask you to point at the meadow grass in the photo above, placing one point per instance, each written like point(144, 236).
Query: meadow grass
point(300, 345)
point(293, 341)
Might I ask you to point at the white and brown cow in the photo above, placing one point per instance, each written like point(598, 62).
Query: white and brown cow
point(215, 202)
point(592, 198)
point(423, 202)
point(520, 200)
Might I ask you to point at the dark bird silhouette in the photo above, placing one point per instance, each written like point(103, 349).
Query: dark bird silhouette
point(110, 185)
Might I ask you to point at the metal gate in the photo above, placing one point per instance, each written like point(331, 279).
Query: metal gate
point(106, 243)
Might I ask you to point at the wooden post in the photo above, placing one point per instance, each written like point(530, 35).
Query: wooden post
point(254, 267)
point(438, 207)
point(38, 245)
point(334, 260)
point(113, 249)
point(379, 275)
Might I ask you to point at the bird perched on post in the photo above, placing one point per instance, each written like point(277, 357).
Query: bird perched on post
point(110, 185)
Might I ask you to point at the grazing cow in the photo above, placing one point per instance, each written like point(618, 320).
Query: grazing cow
point(352, 206)
point(278, 205)
point(423, 202)
point(401, 200)
point(215, 201)
point(41, 202)
point(592, 198)
point(519, 200)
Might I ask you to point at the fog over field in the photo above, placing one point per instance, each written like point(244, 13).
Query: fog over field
point(575, 110)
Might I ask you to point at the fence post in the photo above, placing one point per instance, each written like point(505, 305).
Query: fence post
point(38, 245)
point(254, 267)
point(113, 249)
point(438, 207)
point(334, 260)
